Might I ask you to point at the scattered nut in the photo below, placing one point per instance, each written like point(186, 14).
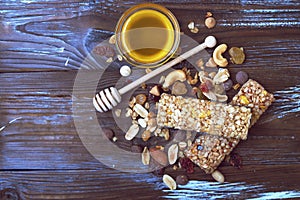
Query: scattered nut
point(147, 105)
point(112, 39)
point(142, 122)
point(219, 89)
point(173, 153)
point(109, 60)
point(167, 134)
point(179, 88)
point(132, 102)
point(162, 79)
point(148, 70)
point(222, 97)
point(241, 77)
point(236, 86)
point(118, 112)
point(218, 176)
point(132, 132)
point(172, 77)
point(146, 156)
point(120, 58)
point(208, 14)
point(140, 110)
point(191, 25)
point(134, 115)
point(221, 76)
point(210, 95)
point(193, 81)
point(195, 30)
point(182, 179)
point(182, 145)
point(151, 115)
point(217, 55)
point(125, 70)
point(200, 63)
point(228, 85)
point(159, 156)
point(155, 91)
point(146, 135)
point(170, 182)
point(114, 139)
point(237, 55)
point(210, 22)
point(141, 99)
point(210, 63)
point(212, 74)
point(144, 86)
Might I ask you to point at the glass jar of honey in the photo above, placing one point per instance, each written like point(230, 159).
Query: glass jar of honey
point(147, 35)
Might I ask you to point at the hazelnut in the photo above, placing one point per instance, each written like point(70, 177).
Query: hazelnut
point(228, 84)
point(141, 99)
point(241, 77)
point(182, 180)
point(210, 22)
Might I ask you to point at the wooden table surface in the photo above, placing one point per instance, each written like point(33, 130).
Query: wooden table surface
point(42, 47)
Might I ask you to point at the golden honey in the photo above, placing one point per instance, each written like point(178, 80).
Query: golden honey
point(147, 35)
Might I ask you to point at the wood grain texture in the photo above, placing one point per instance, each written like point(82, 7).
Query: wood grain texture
point(44, 43)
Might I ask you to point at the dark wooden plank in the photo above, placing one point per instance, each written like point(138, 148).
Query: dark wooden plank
point(54, 41)
point(111, 184)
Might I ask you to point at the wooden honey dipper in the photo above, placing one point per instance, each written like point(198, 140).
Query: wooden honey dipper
point(108, 98)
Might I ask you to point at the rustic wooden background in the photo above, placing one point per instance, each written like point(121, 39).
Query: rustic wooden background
point(42, 45)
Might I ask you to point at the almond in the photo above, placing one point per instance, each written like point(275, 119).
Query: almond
point(159, 156)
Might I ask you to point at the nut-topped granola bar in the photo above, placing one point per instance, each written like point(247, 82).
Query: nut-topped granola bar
point(203, 116)
point(254, 96)
point(208, 151)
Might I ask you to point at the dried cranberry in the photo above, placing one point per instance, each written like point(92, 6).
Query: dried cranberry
point(154, 98)
point(187, 164)
point(203, 87)
point(235, 160)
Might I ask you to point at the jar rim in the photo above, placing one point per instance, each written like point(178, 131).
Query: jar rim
point(172, 19)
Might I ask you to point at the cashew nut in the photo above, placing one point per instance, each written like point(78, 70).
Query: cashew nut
point(177, 75)
point(217, 55)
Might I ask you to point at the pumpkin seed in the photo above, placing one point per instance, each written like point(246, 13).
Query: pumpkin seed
point(170, 182)
point(146, 156)
point(173, 153)
point(132, 132)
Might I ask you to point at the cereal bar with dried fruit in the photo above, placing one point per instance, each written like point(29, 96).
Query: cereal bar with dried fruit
point(203, 116)
point(208, 151)
point(254, 96)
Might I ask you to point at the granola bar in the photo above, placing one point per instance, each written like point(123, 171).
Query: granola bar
point(203, 116)
point(208, 151)
point(254, 96)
